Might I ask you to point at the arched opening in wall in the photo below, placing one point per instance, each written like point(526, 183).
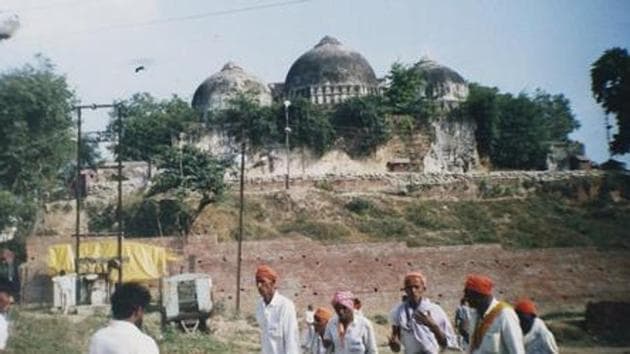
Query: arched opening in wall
point(315, 293)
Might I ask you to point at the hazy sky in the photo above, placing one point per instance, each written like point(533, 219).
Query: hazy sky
point(516, 46)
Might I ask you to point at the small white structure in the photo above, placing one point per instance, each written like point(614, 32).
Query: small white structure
point(187, 296)
point(64, 291)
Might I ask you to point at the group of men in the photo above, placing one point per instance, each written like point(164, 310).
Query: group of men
point(418, 326)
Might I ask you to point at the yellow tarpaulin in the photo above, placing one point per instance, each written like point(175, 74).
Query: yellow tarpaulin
point(140, 261)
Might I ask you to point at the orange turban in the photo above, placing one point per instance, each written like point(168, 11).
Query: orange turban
point(526, 306)
point(265, 272)
point(479, 283)
point(323, 313)
point(418, 275)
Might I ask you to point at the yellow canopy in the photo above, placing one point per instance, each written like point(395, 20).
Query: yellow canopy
point(140, 261)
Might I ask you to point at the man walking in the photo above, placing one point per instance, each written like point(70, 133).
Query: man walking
point(275, 315)
point(538, 338)
point(494, 324)
point(421, 326)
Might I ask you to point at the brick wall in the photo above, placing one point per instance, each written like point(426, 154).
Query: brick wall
point(558, 279)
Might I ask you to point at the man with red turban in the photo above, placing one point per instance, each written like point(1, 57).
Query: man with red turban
point(349, 331)
point(537, 337)
point(275, 315)
point(494, 324)
point(418, 324)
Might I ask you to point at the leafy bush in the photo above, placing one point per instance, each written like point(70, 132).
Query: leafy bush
point(359, 206)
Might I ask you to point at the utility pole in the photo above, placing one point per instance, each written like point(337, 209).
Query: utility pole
point(120, 191)
point(77, 194)
point(287, 130)
point(240, 224)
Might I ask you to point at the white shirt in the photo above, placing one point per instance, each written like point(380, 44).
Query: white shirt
point(504, 336)
point(122, 337)
point(418, 338)
point(359, 337)
point(539, 340)
point(4, 331)
point(278, 325)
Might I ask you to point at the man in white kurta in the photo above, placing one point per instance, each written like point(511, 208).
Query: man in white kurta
point(537, 337)
point(276, 316)
point(421, 326)
point(123, 335)
point(349, 332)
point(494, 326)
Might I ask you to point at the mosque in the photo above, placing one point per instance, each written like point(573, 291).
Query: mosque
point(330, 73)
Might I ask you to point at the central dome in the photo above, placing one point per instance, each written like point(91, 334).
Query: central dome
point(330, 72)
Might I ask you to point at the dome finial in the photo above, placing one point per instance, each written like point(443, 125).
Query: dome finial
point(230, 65)
point(328, 40)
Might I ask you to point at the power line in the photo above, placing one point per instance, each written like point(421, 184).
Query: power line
point(194, 17)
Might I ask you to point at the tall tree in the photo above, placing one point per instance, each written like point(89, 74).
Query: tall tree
point(610, 76)
point(556, 115)
point(523, 139)
point(35, 128)
point(363, 124)
point(481, 105)
point(404, 94)
point(311, 127)
point(150, 126)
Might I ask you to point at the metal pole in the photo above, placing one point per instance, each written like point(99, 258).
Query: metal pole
point(77, 194)
point(240, 224)
point(120, 205)
point(287, 130)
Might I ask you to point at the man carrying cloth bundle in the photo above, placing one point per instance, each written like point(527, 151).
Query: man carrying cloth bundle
point(494, 324)
point(275, 315)
point(421, 326)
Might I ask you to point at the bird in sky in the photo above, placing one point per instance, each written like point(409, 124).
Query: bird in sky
point(139, 68)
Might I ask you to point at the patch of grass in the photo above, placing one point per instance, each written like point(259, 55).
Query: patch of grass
point(359, 206)
point(50, 334)
point(324, 185)
point(424, 216)
point(385, 227)
point(176, 341)
point(317, 230)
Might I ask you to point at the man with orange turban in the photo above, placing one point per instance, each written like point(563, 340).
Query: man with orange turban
point(494, 326)
point(418, 324)
point(275, 315)
point(537, 337)
point(320, 319)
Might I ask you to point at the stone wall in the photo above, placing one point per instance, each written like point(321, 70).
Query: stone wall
point(558, 279)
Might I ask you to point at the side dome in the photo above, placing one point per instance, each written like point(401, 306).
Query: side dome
point(330, 73)
point(217, 90)
point(442, 83)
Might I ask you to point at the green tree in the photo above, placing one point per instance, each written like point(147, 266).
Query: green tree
point(310, 126)
point(246, 119)
point(556, 115)
point(192, 169)
point(362, 124)
point(404, 94)
point(150, 126)
point(481, 105)
point(523, 137)
point(610, 84)
point(35, 126)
